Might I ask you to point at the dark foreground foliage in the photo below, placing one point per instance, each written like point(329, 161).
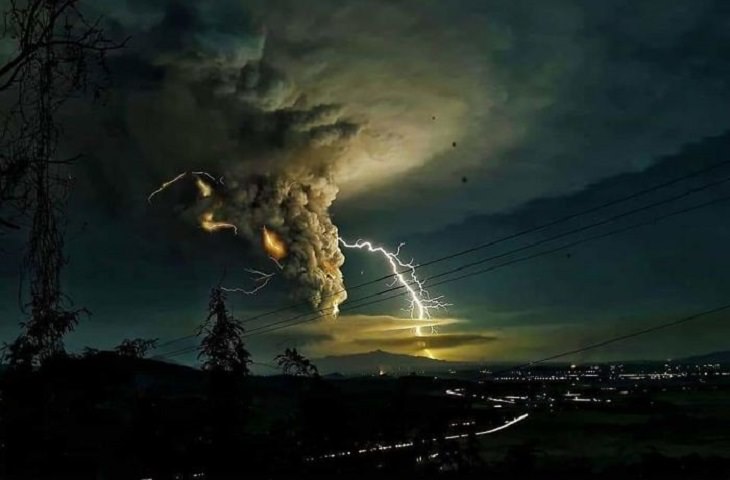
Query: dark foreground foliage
point(111, 416)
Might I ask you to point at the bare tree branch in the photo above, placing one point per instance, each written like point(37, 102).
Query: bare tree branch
point(54, 43)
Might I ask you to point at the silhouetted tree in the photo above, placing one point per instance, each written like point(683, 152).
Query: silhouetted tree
point(20, 353)
point(53, 44)
point(226, 358)
point(88, 352)
point(222, 346)
point(292, 362)
point(136, 348)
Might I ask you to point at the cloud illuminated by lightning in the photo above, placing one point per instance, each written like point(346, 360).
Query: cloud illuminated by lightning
point(421, 303)
point(165, 185)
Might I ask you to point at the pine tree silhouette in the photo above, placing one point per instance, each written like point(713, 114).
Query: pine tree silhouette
point(222, 347)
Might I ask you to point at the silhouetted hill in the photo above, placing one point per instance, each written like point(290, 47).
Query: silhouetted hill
point(714, 357)
point(379, 361)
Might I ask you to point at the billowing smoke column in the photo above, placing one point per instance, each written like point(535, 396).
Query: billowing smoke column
point(280, 184)
point(295, 209)
point(222, 107)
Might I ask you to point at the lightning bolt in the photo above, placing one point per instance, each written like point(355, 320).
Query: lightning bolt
point(420, 302)
point(206, 220)
point(260, 278)
point(165, 185)
point(220, 180)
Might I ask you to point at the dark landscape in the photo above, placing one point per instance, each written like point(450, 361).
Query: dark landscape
point(110, 416)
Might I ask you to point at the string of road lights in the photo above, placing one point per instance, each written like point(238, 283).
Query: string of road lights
point(290, 323)
point(481, 246)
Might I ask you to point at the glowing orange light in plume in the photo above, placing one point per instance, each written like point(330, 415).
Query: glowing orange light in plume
point(210, 225)
point(204, 189)
point(273, 245)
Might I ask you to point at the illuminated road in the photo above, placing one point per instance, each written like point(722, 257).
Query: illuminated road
point(398, 446)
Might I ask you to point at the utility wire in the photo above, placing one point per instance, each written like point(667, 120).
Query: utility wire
point(518, 234)
point(512, 236)
point(557, 221)
point(616, 339)
point(621, 338)
point(281, 325)
point(326, 311)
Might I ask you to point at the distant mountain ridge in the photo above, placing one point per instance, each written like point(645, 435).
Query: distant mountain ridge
point(714, 357)
point(379, 361)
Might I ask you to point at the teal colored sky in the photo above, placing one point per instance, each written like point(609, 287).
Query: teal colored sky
point(453, 123)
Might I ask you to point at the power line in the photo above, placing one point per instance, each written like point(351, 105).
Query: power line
point(175, 340)
point(290, 322)
point(174, 353)
point(278, 326)
point(513, 236)
point(605, 221)
point(623, 337)
point(554, 222)
point(616, 339)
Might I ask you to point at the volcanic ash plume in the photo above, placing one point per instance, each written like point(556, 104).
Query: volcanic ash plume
point(289, 217)
point(280, 181)
point(235, 114)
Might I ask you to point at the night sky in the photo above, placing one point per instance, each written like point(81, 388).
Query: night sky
point(441, 124)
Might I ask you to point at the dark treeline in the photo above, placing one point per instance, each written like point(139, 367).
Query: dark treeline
point(107, 415)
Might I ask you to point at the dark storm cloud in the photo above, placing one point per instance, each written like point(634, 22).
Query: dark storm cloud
point(589, 90)
point(606, 287)
point(328, 134)
point(541, 98)
point(225, 109)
